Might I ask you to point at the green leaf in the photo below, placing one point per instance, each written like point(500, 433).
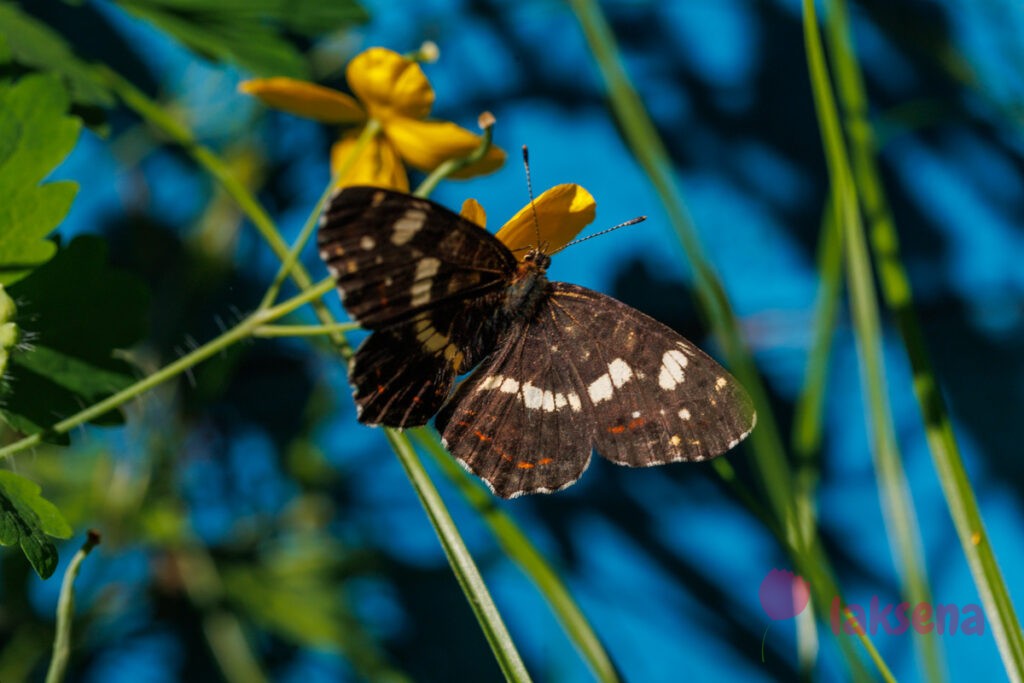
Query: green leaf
point(31, 43)
point(248, 32)
point(75, 313)
point(26, 518)
point(35, 135)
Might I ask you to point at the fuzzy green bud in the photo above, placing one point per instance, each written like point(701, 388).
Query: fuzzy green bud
point(9, 332)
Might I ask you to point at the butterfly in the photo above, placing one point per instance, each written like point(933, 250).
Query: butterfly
point(560, 370)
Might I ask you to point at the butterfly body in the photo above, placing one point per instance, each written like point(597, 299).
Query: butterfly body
point(561, 369)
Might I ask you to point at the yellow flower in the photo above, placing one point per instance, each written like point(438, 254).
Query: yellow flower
point(393, 95)
point(562, 212)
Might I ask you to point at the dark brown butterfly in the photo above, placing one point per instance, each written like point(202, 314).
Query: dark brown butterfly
point(562, 369)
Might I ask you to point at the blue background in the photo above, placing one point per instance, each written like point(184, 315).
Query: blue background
point(666, 563)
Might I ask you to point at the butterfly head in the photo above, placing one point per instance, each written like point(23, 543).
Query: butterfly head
point(537, 259)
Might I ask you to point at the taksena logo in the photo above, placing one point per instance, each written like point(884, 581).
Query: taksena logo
point(784, 595)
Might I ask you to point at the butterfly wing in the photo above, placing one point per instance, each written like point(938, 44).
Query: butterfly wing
point(589, 371)
point(655, 397)
point(427, 282)
point(519, 422)
point(395, 256)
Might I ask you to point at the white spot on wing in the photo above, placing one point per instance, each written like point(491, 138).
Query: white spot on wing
point(620, 372)
point(367, 242)
point(600, 389)
point(672, 364)
point(636, 414)
point(492, 382)
point(533, 397)
point(407, 226)
point(574, 402)
point(549, 402)
point(509, 385)
point(423, 280)
point(685, 414)
point(720, 383)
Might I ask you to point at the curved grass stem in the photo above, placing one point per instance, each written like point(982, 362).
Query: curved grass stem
point(466, 571)
point(895, 289)
point(66, 612)
point(894, 491)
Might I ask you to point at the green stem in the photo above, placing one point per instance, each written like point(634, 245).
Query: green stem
point(241, 331)
point(896, 292)
point(894, 491)
point(766, 444)
point(876, 657)
point(371, 129)
point(302, 330)
point(646, 144)
point(807, 420)
point(453, 165)
point(466, 571)
point(517, 546)
point(66, 611)
point(157, 117)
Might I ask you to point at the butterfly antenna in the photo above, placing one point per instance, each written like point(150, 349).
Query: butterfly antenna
point(632, 221)
point(529, 187)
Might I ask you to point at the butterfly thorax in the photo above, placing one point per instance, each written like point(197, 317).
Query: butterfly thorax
point(528, 285)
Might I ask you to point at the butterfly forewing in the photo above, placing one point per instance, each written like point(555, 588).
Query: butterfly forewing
point(590, 372)
point(656, 398)
point(395, 256)
point(427, 281)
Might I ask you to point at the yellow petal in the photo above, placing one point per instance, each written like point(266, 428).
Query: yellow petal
point(562, 212)
point(427, 144)
point(304, 99)
point(377, 163)
point(473, 212)
point(389, 84)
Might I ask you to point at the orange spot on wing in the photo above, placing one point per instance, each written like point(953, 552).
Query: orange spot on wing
point(524, 465)
point(617, 429)
point(480, 435)
point(638, 422)
point(544, 461)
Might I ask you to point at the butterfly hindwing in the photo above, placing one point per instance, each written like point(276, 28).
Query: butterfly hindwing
point(395, 387)
point(427, 282)
point(586, 372)
point(519, 422)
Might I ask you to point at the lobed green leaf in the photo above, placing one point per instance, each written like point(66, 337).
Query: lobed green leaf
point(35, 135)
point(28, 519)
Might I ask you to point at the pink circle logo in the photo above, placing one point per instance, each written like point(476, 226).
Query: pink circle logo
point(783, 594)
